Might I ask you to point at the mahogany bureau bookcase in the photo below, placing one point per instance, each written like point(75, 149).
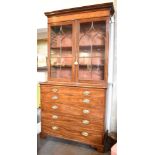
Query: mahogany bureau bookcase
point(73, 98)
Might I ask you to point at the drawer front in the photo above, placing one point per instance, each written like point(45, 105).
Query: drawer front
point(73, 122)
point(76, 110)
point(97, 102)
point(77, 134)
point(86, 92)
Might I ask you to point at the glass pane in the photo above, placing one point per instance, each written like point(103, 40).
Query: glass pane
point(61, 36)
point(92, 50)
point(98, 51)
point(85, 68)
point(98, 73)
point(61, 51)
point(61, 67)
point(64, 52)
point(97, 69)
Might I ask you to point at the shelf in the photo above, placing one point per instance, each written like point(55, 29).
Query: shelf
point(64, 48)
point(65, 66)
point(42, 69)
point(80, 65)
point(93, 65)
point(80, 47)
point(83, 47)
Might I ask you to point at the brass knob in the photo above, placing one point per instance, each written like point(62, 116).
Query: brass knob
point(54, 90)
point(75, 63)
point(86, 101)
point(54, 97)
point(54, 116)
point(55, 107)
point(86, 93)
point(84, 134)
point(54, 127)
point(86, 111)
point(85, 122)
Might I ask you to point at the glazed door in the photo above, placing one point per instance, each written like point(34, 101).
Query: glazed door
point(61, 54)
point(92, 47)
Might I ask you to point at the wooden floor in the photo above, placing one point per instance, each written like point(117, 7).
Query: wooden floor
point(56, 146)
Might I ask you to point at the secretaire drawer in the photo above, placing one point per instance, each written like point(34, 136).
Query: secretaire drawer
point(66, 90)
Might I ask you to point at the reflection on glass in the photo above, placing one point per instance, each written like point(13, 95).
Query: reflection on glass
point(97, 73)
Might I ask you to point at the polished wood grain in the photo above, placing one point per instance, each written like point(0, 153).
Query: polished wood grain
point(74, 120)
point(83, 15)
point(75, 110)
point(100, 85)
point(74, 133)
point(62, 90)
point(73, 123)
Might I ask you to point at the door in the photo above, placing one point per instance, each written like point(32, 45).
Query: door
point(92, 50)
point(61, 54)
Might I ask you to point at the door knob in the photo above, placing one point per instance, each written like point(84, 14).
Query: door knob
point(75, 63)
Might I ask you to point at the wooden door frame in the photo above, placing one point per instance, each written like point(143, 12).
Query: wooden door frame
point(49, 50)
point(106, 19)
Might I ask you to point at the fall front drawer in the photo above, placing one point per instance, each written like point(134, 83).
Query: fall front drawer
point(73, 90)
point(68, 132)
point(76, 110)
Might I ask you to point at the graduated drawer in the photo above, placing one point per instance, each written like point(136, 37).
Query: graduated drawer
point(66, 90)
point(73, 121)
point(72, 133)
point(76, 110)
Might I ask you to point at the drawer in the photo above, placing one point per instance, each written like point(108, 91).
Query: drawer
point(94, 92)
point(73, 121)
point(93, 102)
point(77, 134)
point(76, 110)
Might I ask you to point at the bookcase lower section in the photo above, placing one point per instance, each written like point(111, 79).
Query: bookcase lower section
point(73, 113)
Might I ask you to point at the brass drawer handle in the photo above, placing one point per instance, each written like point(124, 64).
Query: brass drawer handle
point(86, 101)
point(54, 117)
point(85, 122)
point(54, 97)
point(84, 134)
point(54, 90)
point(86, 111)
point(55, 127)
point(55, 107)
point(86, 93)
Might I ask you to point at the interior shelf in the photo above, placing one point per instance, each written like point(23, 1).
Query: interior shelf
point(93, 65)
point(94, 46)
point(80, 47)
point(42, 69)
point(64, 48)
point(80, 65)
point(65, 66)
